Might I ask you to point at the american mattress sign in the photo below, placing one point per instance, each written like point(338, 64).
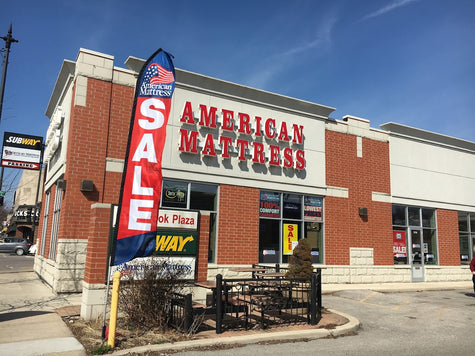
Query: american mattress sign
point(261, 140)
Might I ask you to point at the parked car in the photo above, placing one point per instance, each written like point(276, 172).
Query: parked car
point(15, 244)
point(32, 250)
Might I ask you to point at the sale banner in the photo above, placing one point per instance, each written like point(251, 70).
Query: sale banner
point(142, 177)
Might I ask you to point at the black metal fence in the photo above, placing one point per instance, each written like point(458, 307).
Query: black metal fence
point(249, 302)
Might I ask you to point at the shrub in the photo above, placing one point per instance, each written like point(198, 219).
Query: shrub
point(300, 263)
point(146, 293)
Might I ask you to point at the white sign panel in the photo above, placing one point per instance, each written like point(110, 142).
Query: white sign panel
point(177, 219)
point(183, 266)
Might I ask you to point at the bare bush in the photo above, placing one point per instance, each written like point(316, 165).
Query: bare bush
point(146, 293)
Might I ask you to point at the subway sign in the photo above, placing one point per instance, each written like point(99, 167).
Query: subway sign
point(22, 151)
point(173, 243)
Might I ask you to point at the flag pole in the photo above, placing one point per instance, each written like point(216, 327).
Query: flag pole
point(106, 297)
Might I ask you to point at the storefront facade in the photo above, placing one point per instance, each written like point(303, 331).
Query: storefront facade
point(264, 170)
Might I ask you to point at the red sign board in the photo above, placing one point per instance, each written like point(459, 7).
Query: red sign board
point(399, 244)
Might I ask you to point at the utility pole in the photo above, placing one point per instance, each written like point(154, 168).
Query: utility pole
point(8, 41)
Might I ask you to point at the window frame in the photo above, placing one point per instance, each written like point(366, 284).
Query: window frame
point(468, 235)
point(284, 218)
point(409, 226)
point(214, 216)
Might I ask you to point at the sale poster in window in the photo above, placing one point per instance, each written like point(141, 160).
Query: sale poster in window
point(399, 244)
point(290, 238)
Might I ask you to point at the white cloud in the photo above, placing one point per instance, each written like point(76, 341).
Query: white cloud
point(396, 4)
point(279, 62)
point(323, 37)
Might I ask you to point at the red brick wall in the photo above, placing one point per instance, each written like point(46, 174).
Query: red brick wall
point(337, 231)
point(238, 225)
point(97, 244)
point(202, 274)
point(85, 159)
point(98, 130)
point(344, 228)
point(448, 237)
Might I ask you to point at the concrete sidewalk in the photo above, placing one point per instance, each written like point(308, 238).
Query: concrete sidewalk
point(30, 323)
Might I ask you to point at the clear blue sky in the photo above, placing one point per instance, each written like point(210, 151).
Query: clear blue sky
point(406, 61)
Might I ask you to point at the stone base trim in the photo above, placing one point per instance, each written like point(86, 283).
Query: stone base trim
point(65, 275)
point(366, 274)
point(93, 299)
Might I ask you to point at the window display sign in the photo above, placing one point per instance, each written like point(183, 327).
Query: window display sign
point(313, 208)
point(290, 238)
point(269, 206)
point(399, 244)
point(175, 194)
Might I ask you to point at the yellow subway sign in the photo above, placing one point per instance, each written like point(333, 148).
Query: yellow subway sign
point(176, 243)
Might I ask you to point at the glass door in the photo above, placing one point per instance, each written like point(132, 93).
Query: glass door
point(417, 256)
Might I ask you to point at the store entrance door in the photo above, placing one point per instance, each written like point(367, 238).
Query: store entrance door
point(417, 256)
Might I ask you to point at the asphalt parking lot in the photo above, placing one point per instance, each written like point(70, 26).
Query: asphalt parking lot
point(405, 323)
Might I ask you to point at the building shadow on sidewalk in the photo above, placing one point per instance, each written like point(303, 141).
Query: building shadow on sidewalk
point(21, 314)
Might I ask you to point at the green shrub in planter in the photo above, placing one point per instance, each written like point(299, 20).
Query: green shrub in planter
point(300, 263)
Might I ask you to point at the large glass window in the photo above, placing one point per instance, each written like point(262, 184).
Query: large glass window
point(45, 223)
point(284, 219)
point(55, 224)
point(466, 237)
point(407, 223)
point(177, 194)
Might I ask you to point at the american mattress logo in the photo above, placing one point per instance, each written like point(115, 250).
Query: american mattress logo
point(156, 81)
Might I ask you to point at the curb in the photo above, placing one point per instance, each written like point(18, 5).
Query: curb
point(352, 325)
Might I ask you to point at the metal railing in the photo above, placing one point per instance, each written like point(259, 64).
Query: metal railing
point(248, 302)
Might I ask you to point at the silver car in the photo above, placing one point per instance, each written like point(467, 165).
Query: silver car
point(15, 244)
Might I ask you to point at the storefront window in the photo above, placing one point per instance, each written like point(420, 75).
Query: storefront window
point(212, 238)
point(399, 215)
point(414, 216)
point(428, 218)
point(284, 219)
point(466, 236)
point(314, 234)
point(407, 242)
point(269, 248)
point(292, 206)
point(429, 246)
point(203, 197)
point(178, 194)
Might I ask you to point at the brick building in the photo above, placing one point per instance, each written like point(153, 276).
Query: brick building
point(377, 205)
